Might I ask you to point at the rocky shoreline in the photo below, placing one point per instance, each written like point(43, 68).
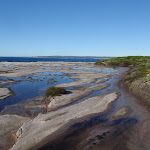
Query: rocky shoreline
point(93, 95)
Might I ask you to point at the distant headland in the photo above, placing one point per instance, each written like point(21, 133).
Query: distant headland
point(74, 57)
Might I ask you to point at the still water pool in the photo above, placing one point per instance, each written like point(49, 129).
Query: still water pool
point(33, 85)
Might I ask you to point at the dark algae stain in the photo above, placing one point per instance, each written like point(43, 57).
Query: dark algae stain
point(98, 133)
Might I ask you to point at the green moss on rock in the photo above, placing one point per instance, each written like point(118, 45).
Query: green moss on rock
point(54, 91)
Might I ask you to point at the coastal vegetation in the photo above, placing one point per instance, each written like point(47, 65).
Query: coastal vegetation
point(140, 66)
point(138, 77)
point(51, 92)
point(54, 91)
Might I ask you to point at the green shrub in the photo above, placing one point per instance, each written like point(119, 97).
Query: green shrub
point(54, 91)
point(126, 61)
point(141, 65)
point(136, 76)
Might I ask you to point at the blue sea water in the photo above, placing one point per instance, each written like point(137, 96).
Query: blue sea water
point(65, 59)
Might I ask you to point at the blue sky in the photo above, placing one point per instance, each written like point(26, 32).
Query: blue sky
point(74, 27)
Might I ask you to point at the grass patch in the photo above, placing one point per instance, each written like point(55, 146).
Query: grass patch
point(140, 65)
point(54, 91)
point(126, 61)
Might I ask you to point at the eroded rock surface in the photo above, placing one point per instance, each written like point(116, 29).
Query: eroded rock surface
point(9, 125)
point(46, 124)
point(78, 120)
point(4, 92)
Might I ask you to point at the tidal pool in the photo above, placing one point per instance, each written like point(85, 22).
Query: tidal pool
point(32, 86)
point(8, 67)
point(98, 70)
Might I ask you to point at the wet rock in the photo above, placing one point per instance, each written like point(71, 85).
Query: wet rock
point(122, 112)
point(29, 108)
point(102, 80)
point(4, 93)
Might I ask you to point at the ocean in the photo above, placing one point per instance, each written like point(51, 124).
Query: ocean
point(52, 58)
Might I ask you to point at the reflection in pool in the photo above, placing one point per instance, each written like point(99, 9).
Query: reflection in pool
point(33, 85)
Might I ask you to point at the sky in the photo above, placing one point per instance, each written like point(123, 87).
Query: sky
point(74, 27)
